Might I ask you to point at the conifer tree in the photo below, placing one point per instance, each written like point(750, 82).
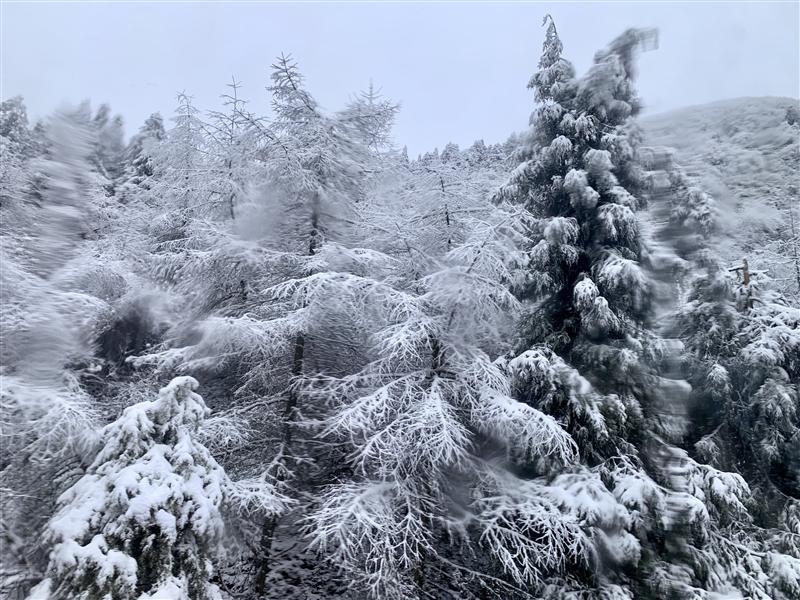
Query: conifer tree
point(181, 162)
point(418, 417)
point(16, 146)
point(303, 177)
point(144, 521)
point(742, 358)
point(138, 154)
point(230, 150)
point(596, 361)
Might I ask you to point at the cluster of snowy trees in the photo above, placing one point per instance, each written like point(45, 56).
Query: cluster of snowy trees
point(514, 371)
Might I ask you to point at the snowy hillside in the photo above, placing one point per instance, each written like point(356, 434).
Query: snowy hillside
point(745, 153)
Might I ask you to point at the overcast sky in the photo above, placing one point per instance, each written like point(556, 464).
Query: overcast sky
point(458, 69)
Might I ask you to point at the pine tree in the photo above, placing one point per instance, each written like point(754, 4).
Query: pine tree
point(587, 346)
point(742, 356)
point(582, 185)
point(741, 336)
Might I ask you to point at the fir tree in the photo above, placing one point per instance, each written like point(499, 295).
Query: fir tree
point(742, 358)
point(144, 521)
point(138, 154)
point(594, 358)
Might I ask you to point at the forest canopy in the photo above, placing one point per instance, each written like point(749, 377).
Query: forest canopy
point(249, 356)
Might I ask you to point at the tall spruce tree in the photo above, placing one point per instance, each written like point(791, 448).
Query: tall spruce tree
point(592, 350)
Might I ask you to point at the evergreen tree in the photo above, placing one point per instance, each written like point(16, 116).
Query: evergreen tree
point(595, 360)
point(144, 521)
point(742, 353)
point(16, 146)
point(742, 358)
point(138, 154)
point(14, 128)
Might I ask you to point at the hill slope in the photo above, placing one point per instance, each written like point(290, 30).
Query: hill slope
point(745, 153)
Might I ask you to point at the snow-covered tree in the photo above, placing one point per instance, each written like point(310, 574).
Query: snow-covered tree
point(587, 266)
point(231, 151)
point(180, 162)
point(423, 414)
point(743, 344)
point(298, 181)
point(49, 419)
point(595, 359)
point(781, 254)
point(742, 359)
point(138, 154)
point(145, 519)
point(109, 143)
point(310, 175)
point(370, 117)
point(14, 121)
point(17, 146)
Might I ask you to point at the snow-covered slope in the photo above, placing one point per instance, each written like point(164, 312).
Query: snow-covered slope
point(745, 153)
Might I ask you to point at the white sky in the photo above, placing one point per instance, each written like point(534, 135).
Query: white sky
point(458, 69)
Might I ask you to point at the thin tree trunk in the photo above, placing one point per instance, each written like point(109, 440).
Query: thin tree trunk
point(229, 165)
point(265, 550)
point(289, 415)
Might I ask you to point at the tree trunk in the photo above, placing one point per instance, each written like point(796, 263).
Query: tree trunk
point(289, 415)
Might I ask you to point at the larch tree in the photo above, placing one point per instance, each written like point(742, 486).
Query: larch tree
point(182, 184)
point(304, 174)
point(230, 150)
point(420, 417)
